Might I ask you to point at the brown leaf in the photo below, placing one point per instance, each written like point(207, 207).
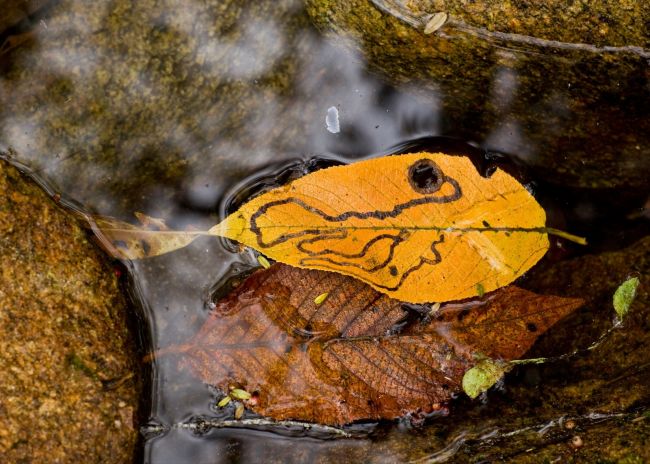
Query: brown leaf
point(346, 359)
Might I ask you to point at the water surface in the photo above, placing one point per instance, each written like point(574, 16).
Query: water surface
point(182, 110)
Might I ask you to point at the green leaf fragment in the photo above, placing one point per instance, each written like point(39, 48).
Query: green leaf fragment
point(239, 411)
point(624, 296)
point(480, 290)
point(320, 299)
point(224, 401)
point(482, 376)
point(239, 394)
point(263, 261)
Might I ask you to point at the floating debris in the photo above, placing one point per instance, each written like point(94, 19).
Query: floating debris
point(320, 299)
point(436, 22)
point(332, 120)
point(435, 307)
point(239, 394)
point(263, 261)
point(577, 442)
point(482, 376)
point(239, 411)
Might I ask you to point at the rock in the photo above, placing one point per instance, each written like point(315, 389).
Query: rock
point(603, 390)
point(15, 11)
point(69, 382)
point(131, 96)
point(615, 375)
point(564, 88)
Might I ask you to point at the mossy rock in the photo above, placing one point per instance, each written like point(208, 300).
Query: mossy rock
point(562, 86)
point(132, 96)
point(69, 375)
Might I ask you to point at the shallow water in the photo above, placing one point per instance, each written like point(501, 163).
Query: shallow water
point(183, 110)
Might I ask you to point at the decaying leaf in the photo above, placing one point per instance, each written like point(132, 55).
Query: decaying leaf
point(349, 358)
point(127, 241)
point(418, 227)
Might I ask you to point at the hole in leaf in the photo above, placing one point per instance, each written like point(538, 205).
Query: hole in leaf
point(425, 176)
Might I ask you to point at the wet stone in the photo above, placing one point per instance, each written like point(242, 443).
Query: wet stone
point(600, 395)
point(560, 85)
point(69, 381)
point(15, 13)
point(148, 99)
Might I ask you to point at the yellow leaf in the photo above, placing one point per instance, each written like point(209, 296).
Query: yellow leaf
point(419, 227)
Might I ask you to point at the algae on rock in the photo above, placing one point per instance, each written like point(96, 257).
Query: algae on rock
point(528, 78)
point(141, 99)
point(63, 330)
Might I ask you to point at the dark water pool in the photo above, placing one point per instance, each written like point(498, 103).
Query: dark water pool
point(183, 109)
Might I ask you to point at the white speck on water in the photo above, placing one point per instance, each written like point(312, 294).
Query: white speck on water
point(332, 120)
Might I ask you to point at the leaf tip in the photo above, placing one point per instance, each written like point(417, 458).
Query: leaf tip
point(567, 236)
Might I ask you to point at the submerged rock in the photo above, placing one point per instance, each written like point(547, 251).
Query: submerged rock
point(600, 395)
point(562, 86)
point(152, 98)
point(69, 381)
point(14, 12)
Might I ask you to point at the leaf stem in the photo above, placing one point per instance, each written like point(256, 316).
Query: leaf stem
point(173, 349)
point(571, 354)
point(262, 422)
point(566, 236)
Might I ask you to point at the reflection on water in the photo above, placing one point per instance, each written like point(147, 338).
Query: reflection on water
point(178, 109)
point(156, 107)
